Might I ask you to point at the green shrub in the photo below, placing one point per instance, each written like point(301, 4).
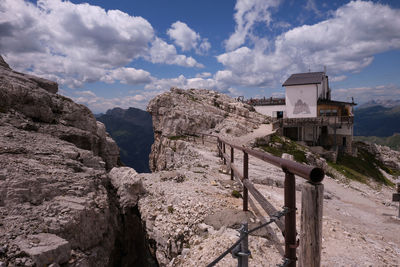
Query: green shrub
point(170, 209)
point(236, 194)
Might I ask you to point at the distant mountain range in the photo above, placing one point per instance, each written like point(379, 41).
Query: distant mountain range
point(378, 122)
point(384, 103)
point(374, 119)
point(132, 129)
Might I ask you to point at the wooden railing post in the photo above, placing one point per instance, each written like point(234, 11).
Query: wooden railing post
point(232, 159)
point(312, 197)
point(290, 218)
point(245, 176)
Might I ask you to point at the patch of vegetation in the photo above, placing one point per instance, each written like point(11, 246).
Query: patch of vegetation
point(362, 167)
point(193, 98)
point(236, 194)
point(216, 104)
point(391, 141)
point(170, 209)
point(277, 146)
point(176, 137)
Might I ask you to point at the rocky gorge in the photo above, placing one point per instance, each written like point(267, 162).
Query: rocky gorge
point(64, 199)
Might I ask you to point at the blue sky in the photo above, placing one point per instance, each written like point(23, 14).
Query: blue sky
point(123, 53)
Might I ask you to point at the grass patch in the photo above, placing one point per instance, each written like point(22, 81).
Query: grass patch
point(361, 167)
point(170, 209)
point(236, 194)
point(287, 146)
point(192, 98)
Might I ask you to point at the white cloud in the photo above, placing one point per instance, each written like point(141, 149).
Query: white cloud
point(311, 5)
point(366, 94)
point(162, 52)
point(127, 76)
point(338, 78)
point(100, 104)
point(187, 83)
point(248, 13)
point(187, 39)
point(347, 42)
point(203, 75)
point(74, 43)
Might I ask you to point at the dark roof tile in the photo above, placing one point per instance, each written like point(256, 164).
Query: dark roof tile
point(304, 78)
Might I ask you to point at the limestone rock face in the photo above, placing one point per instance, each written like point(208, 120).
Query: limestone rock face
point(129, 186)
point(45, 248)
point(36, 99)
point(387, 156)
point(195, 111)
point(54, 198)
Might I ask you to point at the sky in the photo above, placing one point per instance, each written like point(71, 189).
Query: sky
point(122, 53)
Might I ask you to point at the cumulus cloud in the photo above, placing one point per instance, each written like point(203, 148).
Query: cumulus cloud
point(162, 52)
point(347, 42)
point(73, 43)
point(187, 39)
point(203, 75)
point(338, 78)
point(248, 13)
point(100, 104)
point(127, 76)
point(365, 94)
point(211, 83)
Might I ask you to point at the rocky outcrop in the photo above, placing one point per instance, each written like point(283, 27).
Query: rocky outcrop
point(181, 112)
point(58, 204)
point(389, 157)
point(36, 100)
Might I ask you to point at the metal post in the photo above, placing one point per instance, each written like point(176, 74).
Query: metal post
point(223, 149)
point(232, 158)
point(245, 176)
point(290, 218)
point(398, 192)
point(243, 259)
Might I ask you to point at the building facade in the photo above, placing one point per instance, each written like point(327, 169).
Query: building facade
point(309, 114)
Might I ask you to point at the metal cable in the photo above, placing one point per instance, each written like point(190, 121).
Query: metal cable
point(273, 219)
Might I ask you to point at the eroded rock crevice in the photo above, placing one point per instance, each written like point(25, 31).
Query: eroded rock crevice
point(132, 246)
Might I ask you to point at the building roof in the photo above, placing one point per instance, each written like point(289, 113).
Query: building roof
point(304, 78)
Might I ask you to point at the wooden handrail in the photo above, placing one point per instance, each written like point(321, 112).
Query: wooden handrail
point(310, 173)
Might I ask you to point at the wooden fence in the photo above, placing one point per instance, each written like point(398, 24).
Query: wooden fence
point(310, 240)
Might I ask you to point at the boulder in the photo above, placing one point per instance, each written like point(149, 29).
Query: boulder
point(45, 249)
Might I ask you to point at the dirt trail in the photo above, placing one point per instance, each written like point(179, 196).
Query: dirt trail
point(360, 227)
point(263, 130)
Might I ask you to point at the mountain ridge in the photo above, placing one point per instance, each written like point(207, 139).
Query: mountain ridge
point(377, 120)
point(132, 130)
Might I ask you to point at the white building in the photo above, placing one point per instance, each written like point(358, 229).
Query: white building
point(308, 114)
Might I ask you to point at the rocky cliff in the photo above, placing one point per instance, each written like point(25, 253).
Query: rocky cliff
point(182, 112)
point(58, 204)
